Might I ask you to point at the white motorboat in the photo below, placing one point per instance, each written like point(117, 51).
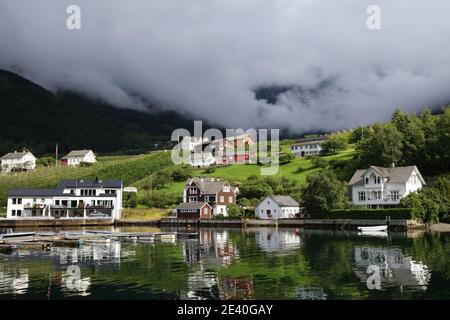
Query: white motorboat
point(380, 234)
point(373, 228)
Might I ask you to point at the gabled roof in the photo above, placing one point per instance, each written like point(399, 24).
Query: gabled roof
point(393, 174)
point(282, 201)
point(192, 205)
point(65, 184)
point(77, 153)
point(207, 185)
point(16, 155)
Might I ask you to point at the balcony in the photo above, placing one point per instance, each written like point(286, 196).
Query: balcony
point(30, 206)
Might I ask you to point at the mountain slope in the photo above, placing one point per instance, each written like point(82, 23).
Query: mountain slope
point(32, 117)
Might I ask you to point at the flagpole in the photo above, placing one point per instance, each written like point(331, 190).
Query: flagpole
point(56, 156)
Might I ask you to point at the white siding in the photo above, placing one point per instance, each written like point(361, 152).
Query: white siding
point(261, 211)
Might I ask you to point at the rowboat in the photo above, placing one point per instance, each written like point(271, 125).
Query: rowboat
point(373, 228)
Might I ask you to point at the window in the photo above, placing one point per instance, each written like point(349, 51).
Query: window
point(226, 189)
point(192, 199)
point(230, 199)
point(193, 189)
point(395, 195)
point(14, 213)
point(361, 196)
point(378, 179)
point(367, 180)
point(206, 198)
point(222, 199)
point(19, 200)
point(57, 202)
point(205, 211)
point(19, 213)
point(14, 201)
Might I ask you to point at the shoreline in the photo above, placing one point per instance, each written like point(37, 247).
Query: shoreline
point(337, 224)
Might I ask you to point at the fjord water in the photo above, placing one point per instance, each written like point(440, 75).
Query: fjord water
point(253, 263)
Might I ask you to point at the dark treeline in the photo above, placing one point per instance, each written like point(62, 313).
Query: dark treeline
point(35, 119)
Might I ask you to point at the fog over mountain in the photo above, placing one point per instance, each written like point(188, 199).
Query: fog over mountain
point(207, 58)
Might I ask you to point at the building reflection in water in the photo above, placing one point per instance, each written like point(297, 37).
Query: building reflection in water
point(235, 288)
point(396, 269)
point(276, 240)
point(213, 249)
point(311, 293)
point(14, 281)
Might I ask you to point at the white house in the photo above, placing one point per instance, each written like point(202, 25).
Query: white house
point(308, 146)
point(379, 186)
point(277, 207)
point(70, 199)
point(75, 157)
point(23, 161)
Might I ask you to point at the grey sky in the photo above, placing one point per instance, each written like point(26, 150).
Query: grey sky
point(204, 57)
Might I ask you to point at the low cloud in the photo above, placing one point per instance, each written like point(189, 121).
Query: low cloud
point(205, 59)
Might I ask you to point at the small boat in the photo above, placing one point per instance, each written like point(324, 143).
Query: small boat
point(17, 234)
point(373, 228)
point(380, 234)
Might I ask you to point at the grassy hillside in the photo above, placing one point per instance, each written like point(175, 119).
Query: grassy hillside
point(297, 171)
point(127, 168)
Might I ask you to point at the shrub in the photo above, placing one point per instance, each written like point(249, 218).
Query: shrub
point(319, 162)
point(210, 169)
point(130, 200)
point(286, 158)
point(85, 164)
point(181, 174)
point(234, 212)
point(394, 213)
point(46, 161)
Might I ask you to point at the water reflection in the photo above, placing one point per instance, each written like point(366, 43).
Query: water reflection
point(212, 247)
point(14, 281)
point(277, 240)
point(396, 269)
point(252, 263)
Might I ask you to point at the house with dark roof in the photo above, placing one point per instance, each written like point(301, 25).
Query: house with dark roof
point(17, 161)
point(194, 210)
point(217, 193)
point(76, 157)
point(70, 199)
point(277, 207)
point(378, 187)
